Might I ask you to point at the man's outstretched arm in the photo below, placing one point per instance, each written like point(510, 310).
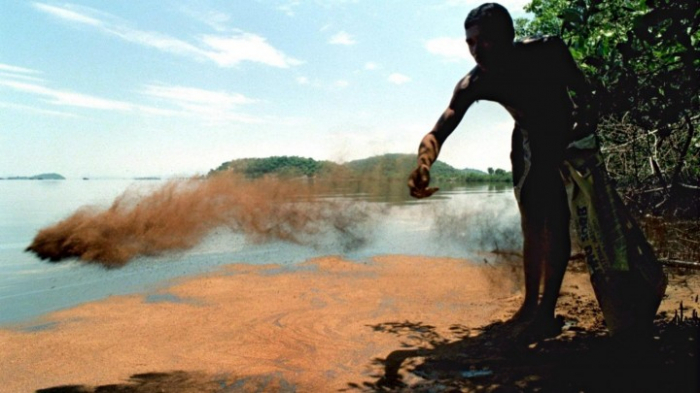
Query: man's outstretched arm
point(419, 180)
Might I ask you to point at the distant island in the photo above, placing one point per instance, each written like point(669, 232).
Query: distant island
point(387, 167)
point(43, 176)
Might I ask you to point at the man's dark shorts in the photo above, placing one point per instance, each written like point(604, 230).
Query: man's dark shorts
point(538, 185)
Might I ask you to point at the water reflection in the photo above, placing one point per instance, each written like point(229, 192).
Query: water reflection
point(396, 191)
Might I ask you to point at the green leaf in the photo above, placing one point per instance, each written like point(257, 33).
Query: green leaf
point(571, 15)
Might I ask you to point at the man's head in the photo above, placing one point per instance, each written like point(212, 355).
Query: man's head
point(490, 33)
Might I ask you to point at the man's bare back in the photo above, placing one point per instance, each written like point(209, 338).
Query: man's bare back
point(534, 86)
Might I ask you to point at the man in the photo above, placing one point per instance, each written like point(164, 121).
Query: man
point(539, 84)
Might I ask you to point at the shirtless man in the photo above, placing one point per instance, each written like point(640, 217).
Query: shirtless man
point(539, 84)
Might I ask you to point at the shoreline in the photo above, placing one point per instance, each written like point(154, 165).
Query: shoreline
point(316, 326)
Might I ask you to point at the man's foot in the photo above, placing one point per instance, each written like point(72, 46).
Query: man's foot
point(524, 314)
point(634, 339)
point(539, 328)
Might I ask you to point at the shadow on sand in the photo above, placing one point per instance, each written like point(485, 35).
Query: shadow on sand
point(482, 360)
point(184, 382)
point(579, 360)
point(487, 359)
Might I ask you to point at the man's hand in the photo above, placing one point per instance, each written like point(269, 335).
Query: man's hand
point(418, 182)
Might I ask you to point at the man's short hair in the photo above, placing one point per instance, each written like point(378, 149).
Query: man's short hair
point(494, 20)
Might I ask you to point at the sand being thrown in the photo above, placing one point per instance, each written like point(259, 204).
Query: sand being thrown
point(179, 214)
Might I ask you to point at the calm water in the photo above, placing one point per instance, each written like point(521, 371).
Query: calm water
point(456, 222)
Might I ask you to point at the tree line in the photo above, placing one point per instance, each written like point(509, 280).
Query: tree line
point(381, 168)
point(642, 60)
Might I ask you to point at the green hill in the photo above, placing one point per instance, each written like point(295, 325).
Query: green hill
point(395, 166)
point(387, 166)
point(48, 176)
point(43, 176)
point(288, 166)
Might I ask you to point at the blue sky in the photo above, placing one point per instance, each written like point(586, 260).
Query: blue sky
point(163, 88)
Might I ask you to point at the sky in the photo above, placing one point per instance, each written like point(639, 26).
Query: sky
point(175, 88)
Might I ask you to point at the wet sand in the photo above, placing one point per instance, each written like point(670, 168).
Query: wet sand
point(327, 325)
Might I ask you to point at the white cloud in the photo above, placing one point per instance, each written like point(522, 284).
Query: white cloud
point(211, 107)
point(342, 38)
point(8, 71)
point(31, 109)
point(16, 69)
point(453, 49)
point(156, 40)
point(196, 95)
point(371, 66)
point(334, 3)
point(341, 84)
point(68, 14)
point(226, 50)
point(214, 19)
point(23, 77)
point(302, 80)
point(398, 79)
point(289, 7)
point(231, 50)
point(206, 105)
point(161, 112)
point(67, 98)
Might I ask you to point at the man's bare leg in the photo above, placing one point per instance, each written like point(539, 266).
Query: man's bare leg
point(546, 250)
point(532, 269)
point(554, 244)
point(558, 245)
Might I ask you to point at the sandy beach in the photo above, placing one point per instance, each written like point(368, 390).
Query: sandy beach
point(396, 323)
